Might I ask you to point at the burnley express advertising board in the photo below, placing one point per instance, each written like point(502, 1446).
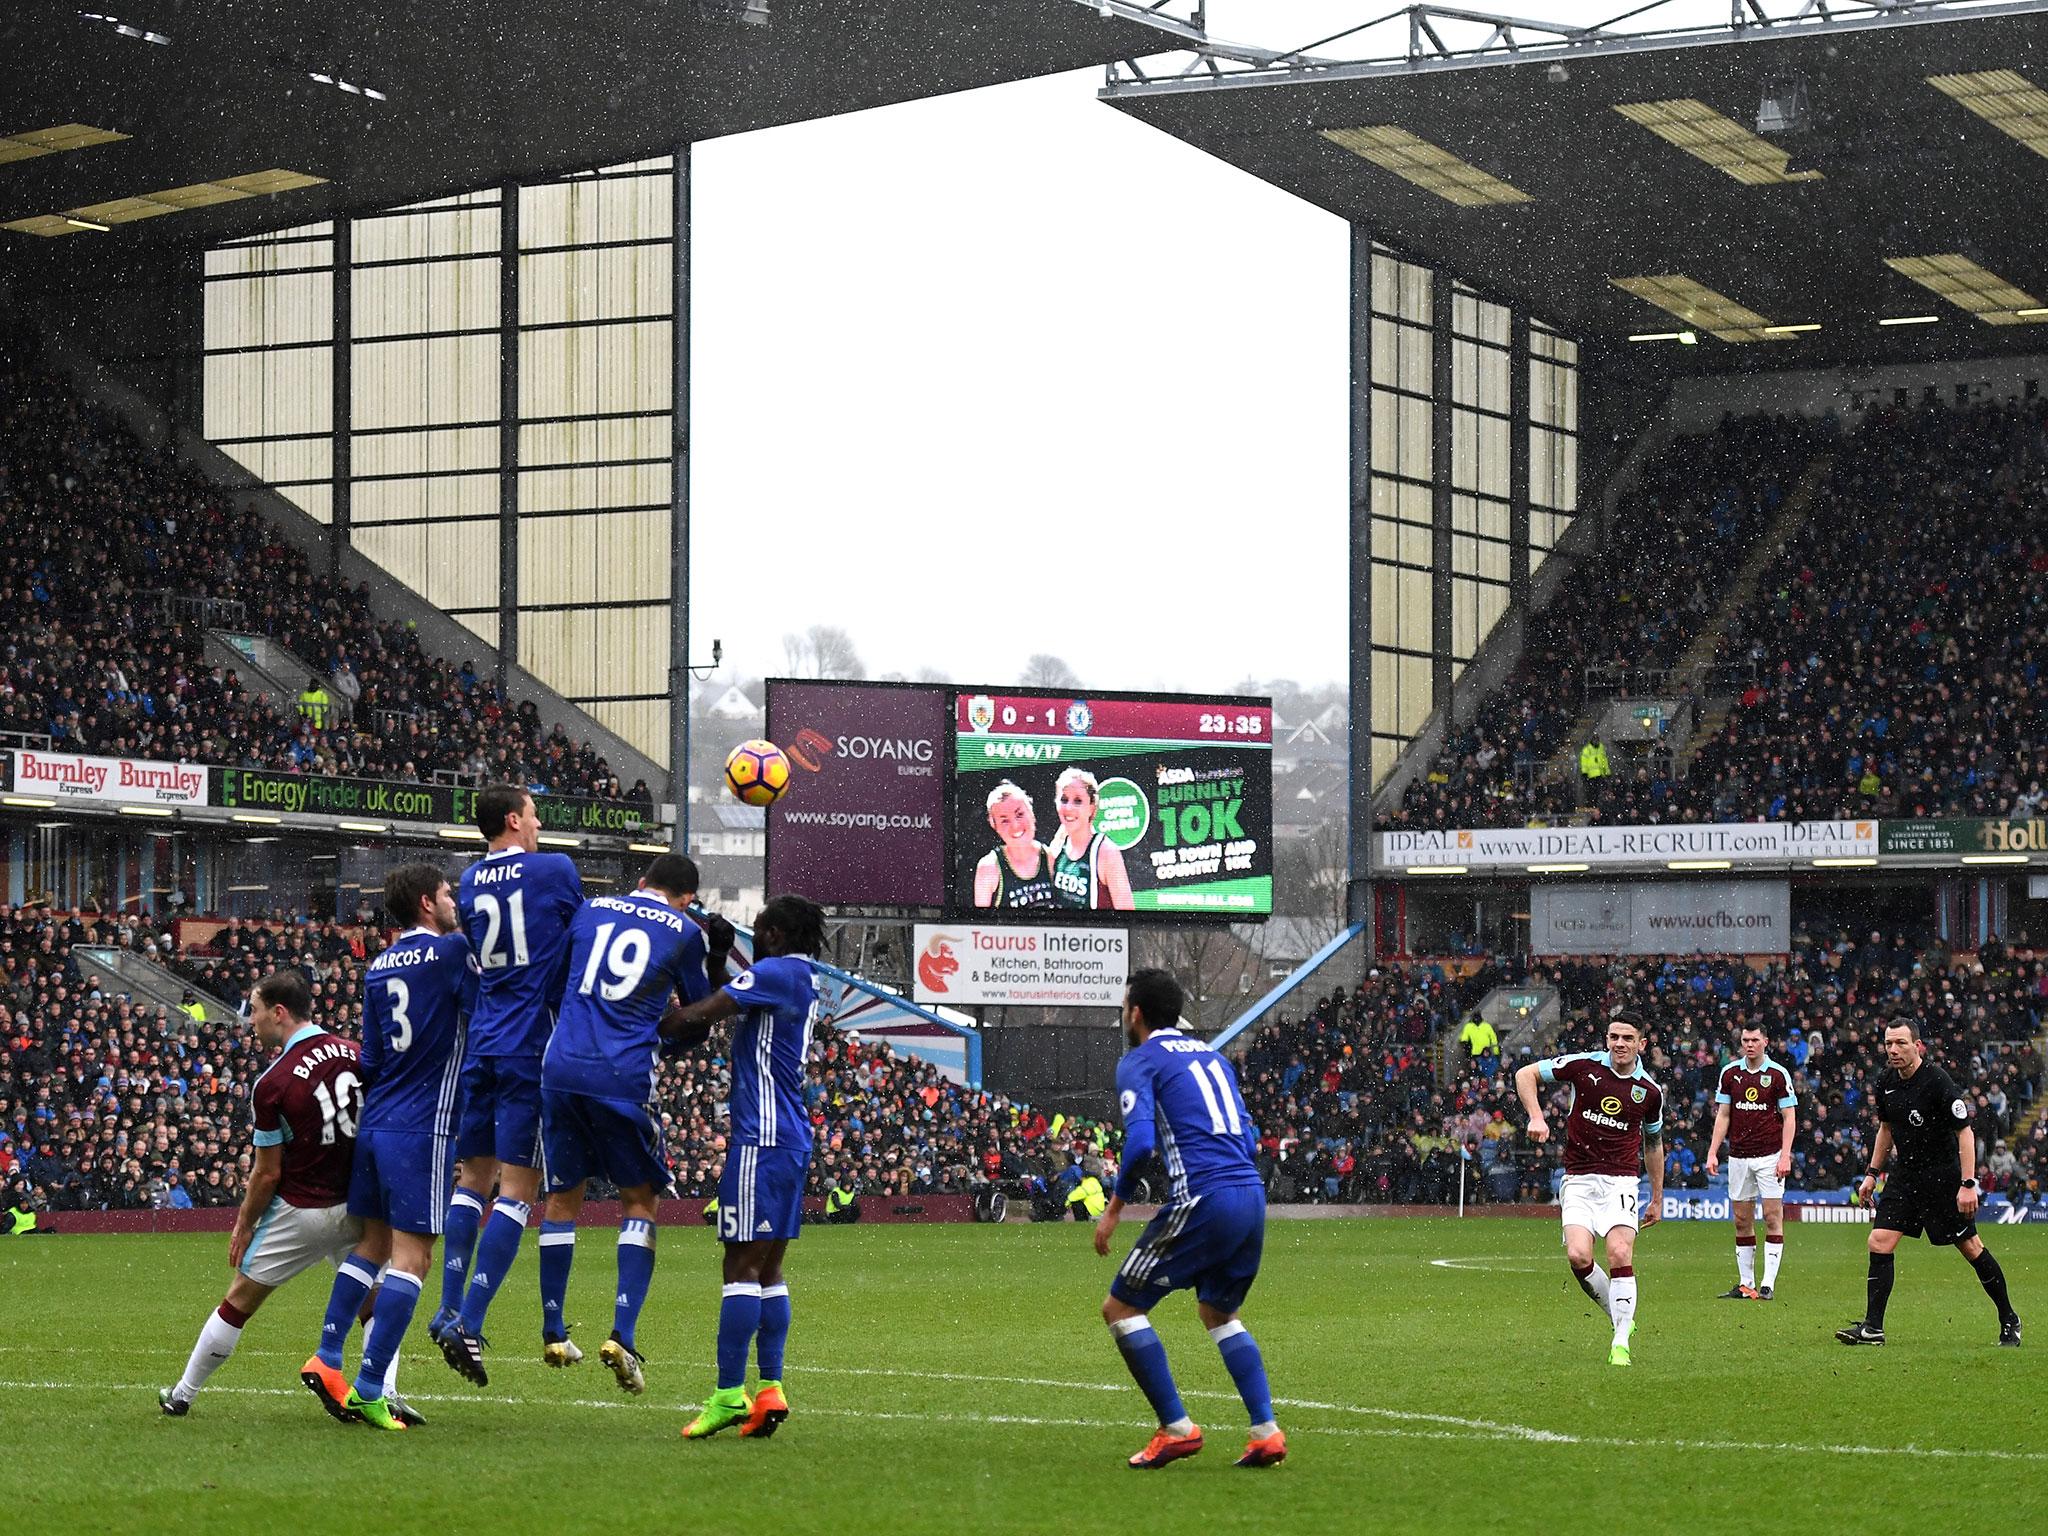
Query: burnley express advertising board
point(1112, 802)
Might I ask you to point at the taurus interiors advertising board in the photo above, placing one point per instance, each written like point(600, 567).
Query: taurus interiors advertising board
point(863, 822)
point(1112, 802)
point(1038, 966)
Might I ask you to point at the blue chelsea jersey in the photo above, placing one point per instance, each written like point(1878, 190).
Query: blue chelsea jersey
point(1180, 1097)
point(627, 955)
point(417, 1000)
point(516, 908)
point(778, 1001)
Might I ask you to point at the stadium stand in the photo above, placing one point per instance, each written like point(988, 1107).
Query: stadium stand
point(115, 562)
point(1889, 663)
point(1693, 514)
point(1900, 636)
point(106, 1105)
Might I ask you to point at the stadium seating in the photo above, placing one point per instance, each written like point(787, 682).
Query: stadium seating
point(1693, 515)
point(1890, 658)
point(1351, 1109)
point(107, 1105)
point(109, 552)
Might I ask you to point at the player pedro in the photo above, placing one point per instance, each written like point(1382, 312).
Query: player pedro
point(1180, 1099)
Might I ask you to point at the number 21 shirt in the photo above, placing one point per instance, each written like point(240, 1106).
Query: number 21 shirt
point(516, 908)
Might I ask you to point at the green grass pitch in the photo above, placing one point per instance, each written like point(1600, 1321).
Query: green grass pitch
point(958, 1379)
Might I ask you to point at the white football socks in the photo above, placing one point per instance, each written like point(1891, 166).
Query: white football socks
point(1622, 1305)
point(217, 1340)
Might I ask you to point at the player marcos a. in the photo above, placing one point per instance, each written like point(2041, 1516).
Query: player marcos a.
point(515, 903)
point(1180, 1098)
point(628, 955)
point(1933, 1185)
point(768, 1152)
point(1757, 1114)
point(295, 1212)
point(1614, 1127)
point(417, 997)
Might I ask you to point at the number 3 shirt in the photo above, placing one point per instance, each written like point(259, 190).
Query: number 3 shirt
point(1180, 1099)
point(516, 908)
point(307, 1101)
point(417, 998)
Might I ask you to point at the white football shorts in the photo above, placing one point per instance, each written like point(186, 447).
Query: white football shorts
point(1755, 1178)
point(291, 1239)
point(1599, 1201)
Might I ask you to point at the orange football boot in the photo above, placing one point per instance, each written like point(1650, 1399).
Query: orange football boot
point(331, 1387)
point(1269, 1452)
point(770, 1408)
point(1166, 1446)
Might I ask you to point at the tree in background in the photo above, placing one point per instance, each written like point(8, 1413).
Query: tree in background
point(1049, 673)
point(823, 651)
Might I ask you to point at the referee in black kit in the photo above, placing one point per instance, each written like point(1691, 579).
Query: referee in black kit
point(1933, 1188)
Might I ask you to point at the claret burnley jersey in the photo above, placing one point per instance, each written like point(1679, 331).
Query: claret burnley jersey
point(1610, 1114)
point(1755, 1103)
point(307, 1101)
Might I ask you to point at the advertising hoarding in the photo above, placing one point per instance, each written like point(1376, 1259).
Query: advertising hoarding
point(1021, 964)
point(1662, 917)
point(863, 821)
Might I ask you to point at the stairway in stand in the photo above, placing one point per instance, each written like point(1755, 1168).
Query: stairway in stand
point(1790, 518)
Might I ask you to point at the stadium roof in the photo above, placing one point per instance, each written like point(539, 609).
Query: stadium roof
point(1562, 168)
point(186, 104)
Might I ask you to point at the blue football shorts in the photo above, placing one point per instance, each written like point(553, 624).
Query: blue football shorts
point(1209, 1243)
point(402, 1179)
point(501, 1110)
point(587, 1137)
point(761, 1193)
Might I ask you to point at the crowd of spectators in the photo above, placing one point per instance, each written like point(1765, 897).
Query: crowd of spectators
point(1351, 1111)
point(1900, 636)
point(110, 553)
point(1698, 507)
point(109, 1104)
point(1888, 665)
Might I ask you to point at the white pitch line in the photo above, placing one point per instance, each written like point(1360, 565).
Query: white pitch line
point(1487, 1266)
point(1457, 1430)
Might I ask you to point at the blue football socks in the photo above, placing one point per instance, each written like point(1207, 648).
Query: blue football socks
point(352, 1282)
point(495, 1251)
point(636, 1273)
point(1247, 1368)
point(458, 1240)
point(774, 1329)
point(388, 1322)
point(557, 1254)
point(1145, 1357)
point(739, 1319)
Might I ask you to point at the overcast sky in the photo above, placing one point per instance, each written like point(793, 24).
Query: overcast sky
point(1008, 372)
